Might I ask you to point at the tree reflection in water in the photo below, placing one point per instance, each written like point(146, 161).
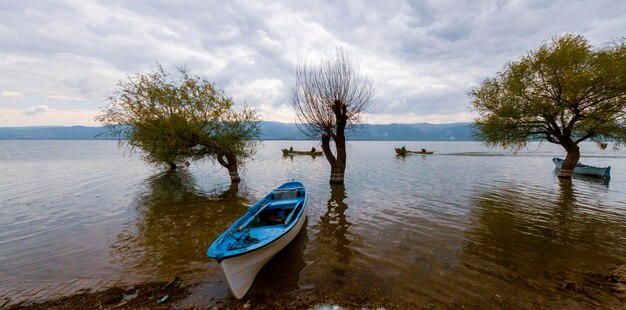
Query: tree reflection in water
point(557, 242)
point(333, 230)
point(329, 252)
point(175, 224)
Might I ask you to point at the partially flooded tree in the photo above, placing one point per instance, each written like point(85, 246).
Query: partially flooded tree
point(173, 121)
point(330, 98)
point(564, 92)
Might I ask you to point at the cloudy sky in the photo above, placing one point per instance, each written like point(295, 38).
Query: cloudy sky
point(59, 60)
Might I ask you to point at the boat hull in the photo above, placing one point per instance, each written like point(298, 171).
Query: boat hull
point(404, 153)
point(288, 152)
point(241, 270)
point(600, 172)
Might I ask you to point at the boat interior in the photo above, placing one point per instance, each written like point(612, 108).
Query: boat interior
point(270, 217)
point(279, 208)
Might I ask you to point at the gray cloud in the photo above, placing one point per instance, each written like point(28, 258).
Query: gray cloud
point(37, 110)
point(425, 55)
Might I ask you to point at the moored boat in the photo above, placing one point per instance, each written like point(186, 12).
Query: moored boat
point(268, 226)
point(287, 152)
point(602, 172)
point(402, 152)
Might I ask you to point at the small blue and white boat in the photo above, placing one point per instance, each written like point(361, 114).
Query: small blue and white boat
point(268, 226)
point(602, 172)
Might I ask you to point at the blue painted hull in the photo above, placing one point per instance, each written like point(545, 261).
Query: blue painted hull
point(267, 227)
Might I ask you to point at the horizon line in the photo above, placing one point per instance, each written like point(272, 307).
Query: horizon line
point(394, 123)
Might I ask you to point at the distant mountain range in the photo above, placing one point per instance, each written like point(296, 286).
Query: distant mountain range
point(270, 131)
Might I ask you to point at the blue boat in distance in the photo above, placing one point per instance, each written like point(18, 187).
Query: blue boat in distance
point(266, 228)
point(599, 172)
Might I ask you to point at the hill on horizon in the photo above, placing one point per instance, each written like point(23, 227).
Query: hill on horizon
point(270, 131)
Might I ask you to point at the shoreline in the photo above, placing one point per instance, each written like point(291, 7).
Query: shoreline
point(138, 296)
point(194, 296)
point(202, 295)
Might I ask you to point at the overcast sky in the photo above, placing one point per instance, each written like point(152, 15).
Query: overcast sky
point(59, 60)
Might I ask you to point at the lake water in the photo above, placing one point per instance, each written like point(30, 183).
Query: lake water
point(466, 226)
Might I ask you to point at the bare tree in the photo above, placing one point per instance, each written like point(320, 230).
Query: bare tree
point(329, 98)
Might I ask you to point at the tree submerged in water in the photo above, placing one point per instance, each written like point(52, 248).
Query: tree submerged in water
point(172, 121)
point(564, 92)
point(329, 99)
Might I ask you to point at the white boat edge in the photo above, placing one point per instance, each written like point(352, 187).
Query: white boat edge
point(589, 170)
point(240, 271)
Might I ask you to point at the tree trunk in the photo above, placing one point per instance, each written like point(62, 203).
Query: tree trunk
point(573, 155)
point(230, 162)
point(337, 164)
point(172, 166)
point(329, 155)
point(337, 170)
point(231, 192)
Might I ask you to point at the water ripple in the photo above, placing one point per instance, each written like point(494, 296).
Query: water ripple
point(467, 225)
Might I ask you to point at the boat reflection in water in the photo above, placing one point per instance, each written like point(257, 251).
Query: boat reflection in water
point(281, 273)
point(587, 178)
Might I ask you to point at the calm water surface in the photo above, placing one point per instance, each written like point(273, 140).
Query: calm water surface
point(468, 225)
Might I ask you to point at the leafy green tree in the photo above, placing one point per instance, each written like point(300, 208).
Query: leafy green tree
point(172, 121)
point(564, 92)
point(329, 99)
